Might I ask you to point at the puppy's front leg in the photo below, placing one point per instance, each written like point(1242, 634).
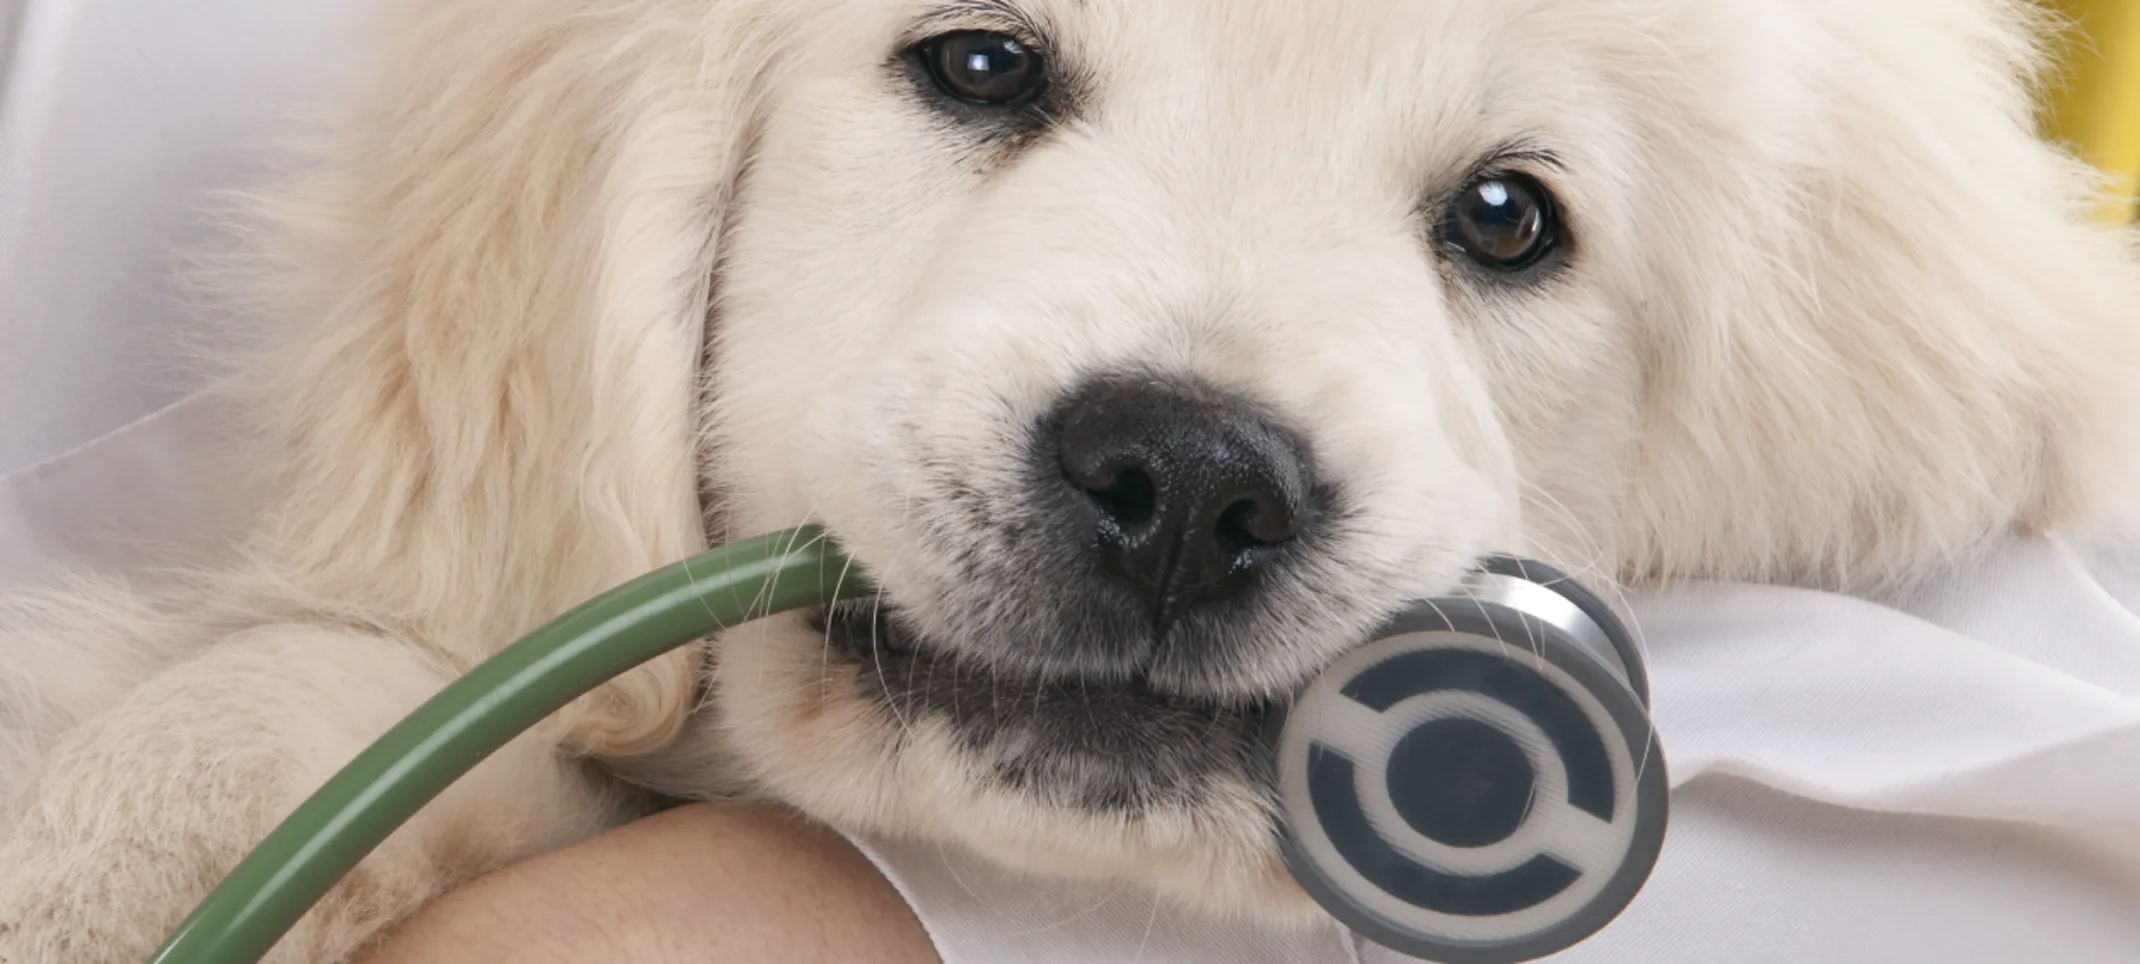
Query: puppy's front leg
point(141, 811)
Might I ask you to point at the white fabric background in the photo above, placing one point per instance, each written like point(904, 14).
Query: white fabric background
point(1954, 778)
point(115, 117)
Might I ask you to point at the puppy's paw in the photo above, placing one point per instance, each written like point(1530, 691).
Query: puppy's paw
point(143, 810)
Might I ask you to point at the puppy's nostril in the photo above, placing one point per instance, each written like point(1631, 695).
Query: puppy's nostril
point(1254, 523)
point(1130, 497)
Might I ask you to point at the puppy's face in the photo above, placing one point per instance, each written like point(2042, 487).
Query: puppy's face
point(1145, 355)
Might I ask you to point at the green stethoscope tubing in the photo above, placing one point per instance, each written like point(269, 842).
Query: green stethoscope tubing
point(356, 809)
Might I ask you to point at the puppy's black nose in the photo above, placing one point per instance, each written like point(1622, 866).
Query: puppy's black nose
point(1194, 490)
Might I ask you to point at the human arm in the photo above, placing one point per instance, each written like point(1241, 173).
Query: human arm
point(740, 883)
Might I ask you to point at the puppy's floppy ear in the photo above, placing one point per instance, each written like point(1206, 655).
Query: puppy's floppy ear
point(501, 272)
point(1897, 332)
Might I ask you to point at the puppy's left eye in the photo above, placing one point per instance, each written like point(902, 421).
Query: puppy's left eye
point(981, 67)
point(1505, 222)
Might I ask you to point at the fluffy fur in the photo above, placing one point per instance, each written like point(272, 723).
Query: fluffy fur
point(574, 285)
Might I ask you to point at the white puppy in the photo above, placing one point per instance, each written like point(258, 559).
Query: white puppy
point(1144, 352)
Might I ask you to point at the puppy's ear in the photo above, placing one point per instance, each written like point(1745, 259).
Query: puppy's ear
point(1899, 330)
point(500, 273)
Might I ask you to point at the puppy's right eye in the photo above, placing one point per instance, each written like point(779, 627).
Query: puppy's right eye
point(981, 67)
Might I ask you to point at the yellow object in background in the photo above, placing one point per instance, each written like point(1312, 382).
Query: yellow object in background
point(2096, 106)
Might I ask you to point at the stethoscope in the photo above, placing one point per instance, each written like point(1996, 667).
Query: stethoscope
point(1479, 783)
point(1476, 784)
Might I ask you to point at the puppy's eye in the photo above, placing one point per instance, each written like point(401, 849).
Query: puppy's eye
point(983, 68)
point(1505, 222)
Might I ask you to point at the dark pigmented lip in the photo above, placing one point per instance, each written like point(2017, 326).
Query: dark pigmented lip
point(873, 634)
point(1117, 746)
point(863, 629)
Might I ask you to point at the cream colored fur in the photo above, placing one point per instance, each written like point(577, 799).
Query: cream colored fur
point(574, 284)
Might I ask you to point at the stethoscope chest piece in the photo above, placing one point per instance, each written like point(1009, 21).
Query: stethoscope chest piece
point(1480, 783)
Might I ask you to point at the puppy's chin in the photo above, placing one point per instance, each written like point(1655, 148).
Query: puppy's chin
point(1054, 778)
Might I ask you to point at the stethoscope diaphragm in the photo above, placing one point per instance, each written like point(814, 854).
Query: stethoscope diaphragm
point(1479, 783)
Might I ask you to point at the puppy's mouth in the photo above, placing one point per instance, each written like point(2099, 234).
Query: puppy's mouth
point(1108, 745)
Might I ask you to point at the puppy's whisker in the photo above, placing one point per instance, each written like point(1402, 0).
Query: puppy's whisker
point(765, 627)
point(1592, 553)
point(951, 867)
point(876, 661)
point(824, 650)
point(1641, 641)
point(1110, 897)
point(1151, 922)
